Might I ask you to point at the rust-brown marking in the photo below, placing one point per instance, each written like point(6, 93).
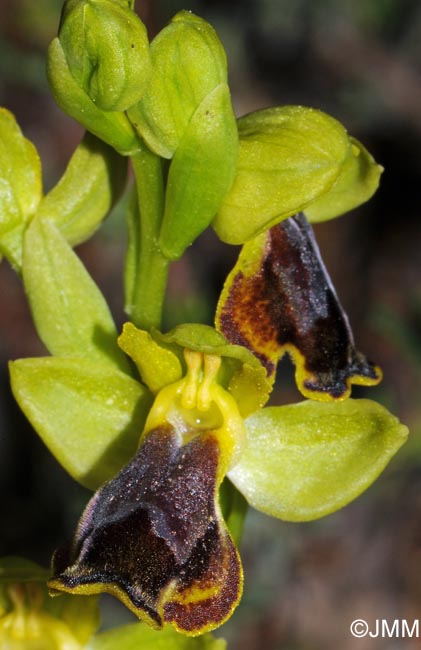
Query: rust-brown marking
point(290, 305)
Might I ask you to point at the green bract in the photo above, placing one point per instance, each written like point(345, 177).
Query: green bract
point(88, 414)
point(188, 64)
point(107, 51)
point(91, 184)
point(357, 182)
point(307, 460)
point(201, 172)
point(288, 157)
point(20, 186)
point(93, 181)
point(111, 126)
point(70, 313)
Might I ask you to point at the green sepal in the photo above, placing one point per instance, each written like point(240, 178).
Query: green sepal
point(112, 127)
point(289, 156)
point(89, 415)
point(201, 172)
point(158, 366)
point(188, 62)
point(241, 373)
point(139, 635)
point(107, 50)
point(307, 460)
point(356, 184)
point(69, 311)
point(92, 183)
point(20, 186)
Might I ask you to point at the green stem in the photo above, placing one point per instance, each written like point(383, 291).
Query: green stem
point(150, 274)
point(234, 509)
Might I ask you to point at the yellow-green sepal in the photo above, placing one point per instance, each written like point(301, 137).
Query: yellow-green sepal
point(92, 183)
point(307, 460)
point(188, 63)
point(20, 186)
point(201, 172)
point(107, 51)
point(89, 415)
point(356, 184)
point(288, 157)
point(112, 127)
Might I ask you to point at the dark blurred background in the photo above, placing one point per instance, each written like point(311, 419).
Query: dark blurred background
point(360, 61)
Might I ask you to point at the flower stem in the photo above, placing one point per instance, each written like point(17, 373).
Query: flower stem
point(234, 509)
point(145, 290)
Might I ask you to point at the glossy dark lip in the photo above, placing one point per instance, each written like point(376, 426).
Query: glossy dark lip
point(155, 526)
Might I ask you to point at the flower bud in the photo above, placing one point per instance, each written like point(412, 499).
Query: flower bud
point(110, 126)
point(106, 48)
point(186, 114)
point(189, 63)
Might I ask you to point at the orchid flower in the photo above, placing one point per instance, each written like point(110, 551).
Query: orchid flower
point(154, 535)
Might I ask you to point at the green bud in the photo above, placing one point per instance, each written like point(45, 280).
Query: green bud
point(188, 62)
point(20, 186)
point(186, 114)
point(357, 182)
point(288, 157)
point(93, 181)
point(107, 50)
point(112, 127)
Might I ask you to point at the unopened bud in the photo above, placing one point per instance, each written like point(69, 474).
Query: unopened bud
point(107, 51)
